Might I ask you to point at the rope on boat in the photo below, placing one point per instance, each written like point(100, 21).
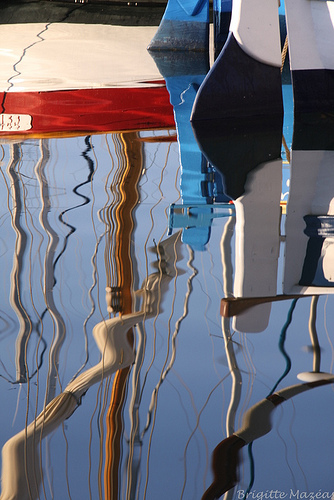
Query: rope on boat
point(287, 150)
point(284, 53)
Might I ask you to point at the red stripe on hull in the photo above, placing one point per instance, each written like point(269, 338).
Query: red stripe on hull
point(90, 110)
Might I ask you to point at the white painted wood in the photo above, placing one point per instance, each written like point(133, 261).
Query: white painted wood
point(310, 377)
point(39, 57)
point(310, 26)
point(311, 192)
point(256, 249)
point(255, 26)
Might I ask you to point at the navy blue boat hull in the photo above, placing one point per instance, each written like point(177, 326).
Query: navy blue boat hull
point(239, 86)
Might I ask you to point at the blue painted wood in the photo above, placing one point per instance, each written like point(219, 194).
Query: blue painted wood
point(192, 8)
point(184, 26)
point(200, 185)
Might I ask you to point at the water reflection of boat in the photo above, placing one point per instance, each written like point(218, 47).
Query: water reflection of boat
point(252, 177)
point(249, 160)
point(309, 257)
point(122, 297)
point(201, 191)
point(257, 421)
point(21, 476)
point(100, 77)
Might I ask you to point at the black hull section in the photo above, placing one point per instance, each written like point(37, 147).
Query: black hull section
point(313, 132)
point(109, 12)
point(236, 148)
point(221, 27)
point(313, 91)
point(238, 86)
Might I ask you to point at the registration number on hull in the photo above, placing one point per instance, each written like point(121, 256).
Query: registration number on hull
point(14, 123)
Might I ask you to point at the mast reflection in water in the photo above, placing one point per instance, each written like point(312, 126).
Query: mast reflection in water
point(84, 239)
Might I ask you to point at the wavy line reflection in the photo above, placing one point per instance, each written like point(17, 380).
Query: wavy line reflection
point(21, 476)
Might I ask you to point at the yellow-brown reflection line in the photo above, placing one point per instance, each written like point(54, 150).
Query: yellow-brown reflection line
point(10, 211)
point(251, 373)
point(26, 212)
point(96, 166)
point(154, 397)
point(92, 260)
point(293, 439)
point(44, 197)
point(177, 184)
point(134, 438)
point(227, 269)
point(25, 325)
point(102, 411)
point(146, 265)
point(59, 330)
point(108, 219)
point(112, 341)
point(313, 332)
point(166, 368)
point(115, 210)
point(235, 373)
point(327, 334)
point(236, 387)
point(66, 463)
point(285, 447)
point(61, 135)
point(4, 179)
point(146, 259)
point(209, 301)
point(35, 474)
point(26, 368)
point(194, 430)
point(117, 353)
point(103, 391)
point(159, 138)
point(97, 405)
point(133, 432)
point(192, 400)
point(3, 153)
point(11, 215)
point(132, 154)
point(93, 306)
point(185, 308)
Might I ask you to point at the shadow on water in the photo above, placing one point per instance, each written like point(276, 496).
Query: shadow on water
point(161, 299)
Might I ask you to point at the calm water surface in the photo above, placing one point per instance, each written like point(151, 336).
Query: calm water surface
point(86, 236)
